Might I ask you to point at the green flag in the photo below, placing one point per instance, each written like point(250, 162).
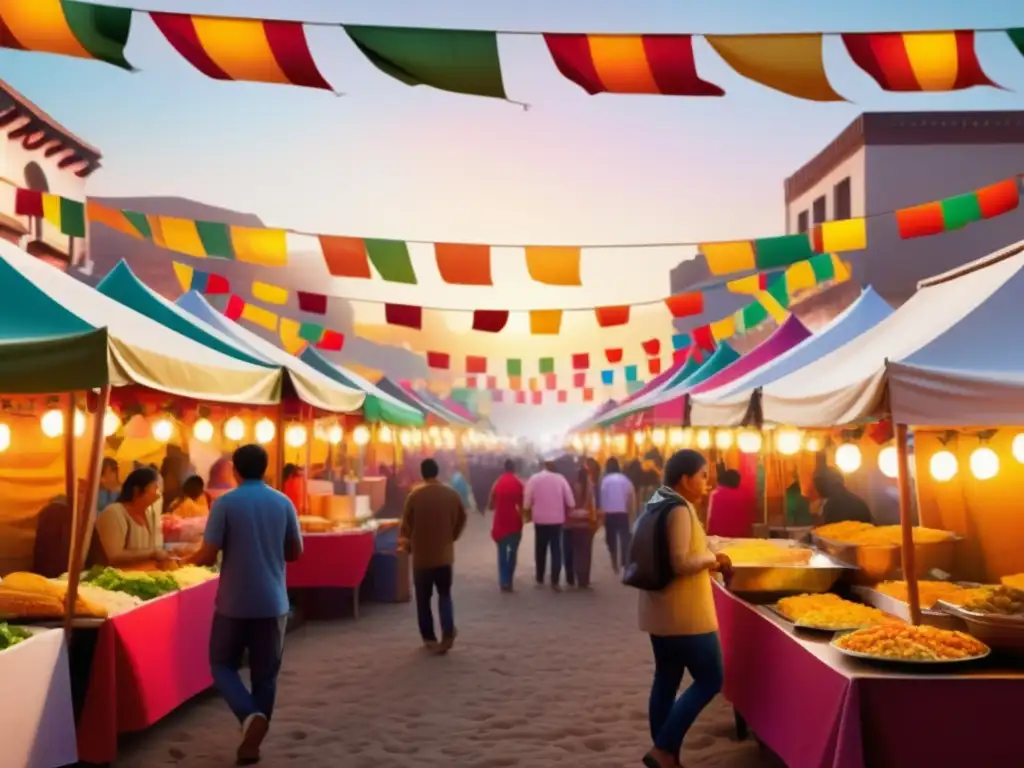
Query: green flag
point(782, 251)
point(391, 259)
point(461, 61)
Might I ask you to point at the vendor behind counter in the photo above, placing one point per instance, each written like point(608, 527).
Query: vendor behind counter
point(840, 503)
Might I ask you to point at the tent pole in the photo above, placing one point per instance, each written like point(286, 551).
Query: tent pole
point(907, 523)
point(81, 532)
point(70, 480)
point(279, 446)
point(308, 459)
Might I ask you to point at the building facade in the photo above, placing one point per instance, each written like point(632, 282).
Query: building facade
point(39, 153)
point(889, 160)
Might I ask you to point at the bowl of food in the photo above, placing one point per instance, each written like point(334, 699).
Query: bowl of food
point(830, 613)
point(906, 644)
point(992, 614)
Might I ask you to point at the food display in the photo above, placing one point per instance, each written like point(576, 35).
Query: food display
point(994, 600)
point(866, 534)
point(1016, 581)
point(31, 596)
point(191, 575)
point(831, 613)
point(758, 552)
point(11, 635)
point(183, 530)
point(931, 592)
point(315, 524)
point(115, 603)
point(904, 643)
point(141, 584)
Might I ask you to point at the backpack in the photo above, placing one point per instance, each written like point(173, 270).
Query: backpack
point(650, 557)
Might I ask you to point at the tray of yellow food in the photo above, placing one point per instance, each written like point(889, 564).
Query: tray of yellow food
point(994, 615)
point(777, 567)
point(905, 644)
point(875, 550)
point(30, 596)
point(315, 524)
point(830, 613)
point(891, 597)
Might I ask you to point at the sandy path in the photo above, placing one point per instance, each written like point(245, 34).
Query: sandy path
point(537, 679)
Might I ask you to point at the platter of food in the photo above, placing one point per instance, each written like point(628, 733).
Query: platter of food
point(910, 645)
point(830, 613)
point(776, 567)
point(875, 551)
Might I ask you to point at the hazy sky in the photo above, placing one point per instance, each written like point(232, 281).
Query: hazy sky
point(392, 161)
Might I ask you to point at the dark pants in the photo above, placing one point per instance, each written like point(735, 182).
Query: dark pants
point(264, 640)
point(617, 537)
point(548, 538)
point(578, 546)
point(425, 580)
point(508, 549)
point(670, 717)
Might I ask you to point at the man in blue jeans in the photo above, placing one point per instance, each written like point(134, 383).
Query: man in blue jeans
point(257, 530)
point(432, 521)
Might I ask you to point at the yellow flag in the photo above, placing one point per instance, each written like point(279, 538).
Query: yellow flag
point(726, 258)
point(778, 312)
point(545, 322)
point(182, 236)
point(269, 294)
point(792, 64)
point(724, 328)
point(256, 245)
point(800, 276)
point(554, 265)
point(842, 235)
point(184, 274)
point(290, 339)
point(264, 318)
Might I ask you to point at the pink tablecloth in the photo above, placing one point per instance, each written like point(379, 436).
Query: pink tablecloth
point(148, 662)
point(817, 709)
point(332, 560)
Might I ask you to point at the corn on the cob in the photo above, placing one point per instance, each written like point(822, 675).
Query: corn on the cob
point(20, 603)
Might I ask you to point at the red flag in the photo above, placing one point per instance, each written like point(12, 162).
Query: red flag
point(404, 315)
point(235, 307)
point(702, 337)
point(685, 304)
point(608, 317)
point(440, 360)
point(581, 361)
point(654, 365)
point(613, 356)
point(314, 303)
point(490, 320)
point(217, 284)
point(28, 202)
point(492, 382)
point(550, 381)
point(476, 364)
point(520, 397)
point(471, 382)
point(652, 347)
point(579, 380)
point(563, 396)
point(332, 341)
point(588, 395)
point(537, 397)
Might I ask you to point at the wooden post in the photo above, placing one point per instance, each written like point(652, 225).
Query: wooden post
point(908, 555)
point(70, 480)
point(308, 460)
point(81, 534)
point(279, 445)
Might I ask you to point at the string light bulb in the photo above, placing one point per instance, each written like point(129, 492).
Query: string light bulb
point(295, 436)
point(335, 434)
point(888, 461)
point(384, 434)
point(111, 423)
point(749, 441)
point(943, 466)
point(163, 430)
point(5, 437)
point(577, 444)
point(723, 439)
point(265, 431)
point(406, 438)
point(361, 435)
point(1017, 447)
point(812, 444)
point(658, 437)
point(234, 429)
point(984, 463)
point(788, 441)
point(639, 437)
point(675, 437)
point(52, 423)
point(848, 458)
point(704, 439)
point(203, 430)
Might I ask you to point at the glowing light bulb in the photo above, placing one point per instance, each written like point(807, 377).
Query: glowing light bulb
point(203, 430)
point(723, 440)
point(619, 444)
point(384, 434)
point(749, 441)
point(163, 430)
point(361, 435)
point(888, 461)
point(577, 444)
point(595, 442)
point(943, 466)
point(335, 434)
point(5, 437)
point(984, 463)
point(812, 444)
point(1017, 448)
point(52, 423)
point(675, 437)
point(703, 439)
point(848, 458)
point(658, 437)
point(295, 436)
point(639, 437)
point(265, 431)
point(234, 429)
point(405, 436)
point(111, 423)
point(687, 438)
point(788, 441)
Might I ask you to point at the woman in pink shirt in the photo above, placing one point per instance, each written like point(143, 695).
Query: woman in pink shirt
point(507, 529)
point(731, 508)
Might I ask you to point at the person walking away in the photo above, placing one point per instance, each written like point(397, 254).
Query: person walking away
point(256, 530)
point(548, 497)
point(461, 486)
point(618, 507)
point(506, 500)
point(578, 537)
point(680, 618)
point(731, 509)
point(432, 521)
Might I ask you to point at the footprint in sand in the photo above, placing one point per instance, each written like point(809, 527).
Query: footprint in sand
point(298, 735)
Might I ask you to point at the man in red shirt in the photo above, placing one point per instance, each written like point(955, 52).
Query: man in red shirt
point(507, 529)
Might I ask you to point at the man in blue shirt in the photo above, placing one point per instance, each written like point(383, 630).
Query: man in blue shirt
point(257, 530)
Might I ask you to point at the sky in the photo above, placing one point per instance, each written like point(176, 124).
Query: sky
point(390, 161)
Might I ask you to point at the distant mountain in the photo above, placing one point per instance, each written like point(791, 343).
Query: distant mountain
point(153, 265)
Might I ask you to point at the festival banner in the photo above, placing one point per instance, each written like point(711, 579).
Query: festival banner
point(918, 61)
point(294, 334)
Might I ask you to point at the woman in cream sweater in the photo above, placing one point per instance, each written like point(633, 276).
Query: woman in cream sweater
point(681, 618)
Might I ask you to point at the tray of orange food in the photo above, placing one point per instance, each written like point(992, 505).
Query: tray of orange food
point(911, 645)
point(830, 613)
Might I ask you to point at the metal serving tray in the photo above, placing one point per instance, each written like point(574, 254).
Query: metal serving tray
point(761, 581)
point(884, 562)
point(901, 610)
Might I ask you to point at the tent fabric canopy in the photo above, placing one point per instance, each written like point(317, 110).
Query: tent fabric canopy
point(677, 373)
point(378, 406)
point(58, 335)
point(727, 405)
point(966, 376)
point(435, 402)
point(849, 384)
point(667, 408)
point(410, 398)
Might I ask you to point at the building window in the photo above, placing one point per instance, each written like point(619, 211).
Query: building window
point(801, 222)
point(841, 201)
point(820, 210)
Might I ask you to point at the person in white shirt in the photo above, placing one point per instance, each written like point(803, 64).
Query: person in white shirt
point(547, 499)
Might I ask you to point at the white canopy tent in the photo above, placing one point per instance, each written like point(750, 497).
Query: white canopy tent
point(849, 384)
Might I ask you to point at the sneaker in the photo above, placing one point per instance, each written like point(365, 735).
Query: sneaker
point(254, 731)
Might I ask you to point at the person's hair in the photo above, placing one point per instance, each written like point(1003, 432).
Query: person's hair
point(136, 483)
point(828, 480)
point(684, 463)
point(611, 466)
point(108, 463)
point(729, 478)
point(583, 485)
point(250, 461)
point(510, 465)
point(288, 471)
point(429, 469)
point(193, 487)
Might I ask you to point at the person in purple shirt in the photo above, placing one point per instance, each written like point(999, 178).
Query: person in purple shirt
point(547, 499)
point(618, 502)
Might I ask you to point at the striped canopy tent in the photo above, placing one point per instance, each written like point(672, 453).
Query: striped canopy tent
point(433, 414)
point(592, 420)
point(727, 405)
point(454, 418)
point(655, 384)
point(459, 409)
point(668, 407)
point(194, 318)
point(59, 335)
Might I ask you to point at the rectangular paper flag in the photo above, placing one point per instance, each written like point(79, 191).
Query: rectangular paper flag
point(839, 236)
point(264, 318)
point(581, 361)
point(269, 294)
point(463, 264)
point(404, 315)
point(546, 365)
point(782, 251)
point(685, 304)
point(727, 258)
point(476, 364)
point(554, 265)
point(439, 360)
point(609, 317)
point(545, 322)
point(265, 247)
point(514, 367)
point(608, 377)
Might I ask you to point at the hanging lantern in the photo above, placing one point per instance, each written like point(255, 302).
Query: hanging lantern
point(405, 437)
point(361, 435)
point(234, 429)
point(812, 444)
point(295, 436)
point(203, 430)
point(163, 430)
point(723, 439)
point(675, 437)
point(888, 461)
point(639, 438)
point(749, 441)
point(5, 437)
point(111, 423)
point(943, 466)
point(788, 441)
point(984, 463)
point(335, 434)
point(658, 438)
point(384, 434)
point(704, 439)
point(264, 431)
point(52, 423)
point(1017, 448)
point(848, 458)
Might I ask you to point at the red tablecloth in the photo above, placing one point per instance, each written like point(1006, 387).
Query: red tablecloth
point(817, 709)
point(332, 560)
point(148, 662)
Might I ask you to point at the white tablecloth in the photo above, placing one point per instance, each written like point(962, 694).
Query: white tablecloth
point(36, 712)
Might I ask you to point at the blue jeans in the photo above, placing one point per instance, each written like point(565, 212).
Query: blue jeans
point(425, 580)
point(701, 656)
point(508, 549)
point(617, 537)
point(548, 537)
point(264, 640)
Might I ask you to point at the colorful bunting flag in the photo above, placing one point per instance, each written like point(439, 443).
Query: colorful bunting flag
point(514, 367)
point(681, 341)
point(252, 50)
point(918, 61)
point(269, 294)
point(563, 396)
point(66, 28)
point(462, 61)
point(515, 382)
point(288, 330)
point(579, 380)
point(800, 277)
point(490, 320)
point(311, 332)
point(648, 64)
point(545, 322)
point(781, 251)
point(703, 339)
point(550, 382)
point(492, 382)
point(498, 396)
point(196, 280)
point(840, 236)
point(391, 260)
point(233, 309)
point(727, 258)
point(98, 213)
point(613, 356)
point(476, 364)
point(685, 304)
point(331, 341)
point(773, 306)
point(404, 315)
point(748, 285)
point(345, 256)
point(537, 398)
point(554, 265)
point(581, 361)
point(521, 397)
point(651, 347)
point(723, 329)
point(654, 366)
point(608, 377)
point(314, 303)
point(66, 215)
point(588, 395)
point(958, 211)
point(261, 246)
point(546, 365)
point(609, 317)
point(462, 264)
point(791, 64)
point(631, 373)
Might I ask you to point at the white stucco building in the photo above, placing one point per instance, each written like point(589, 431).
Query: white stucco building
point(39, 153)
point(889, 160)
